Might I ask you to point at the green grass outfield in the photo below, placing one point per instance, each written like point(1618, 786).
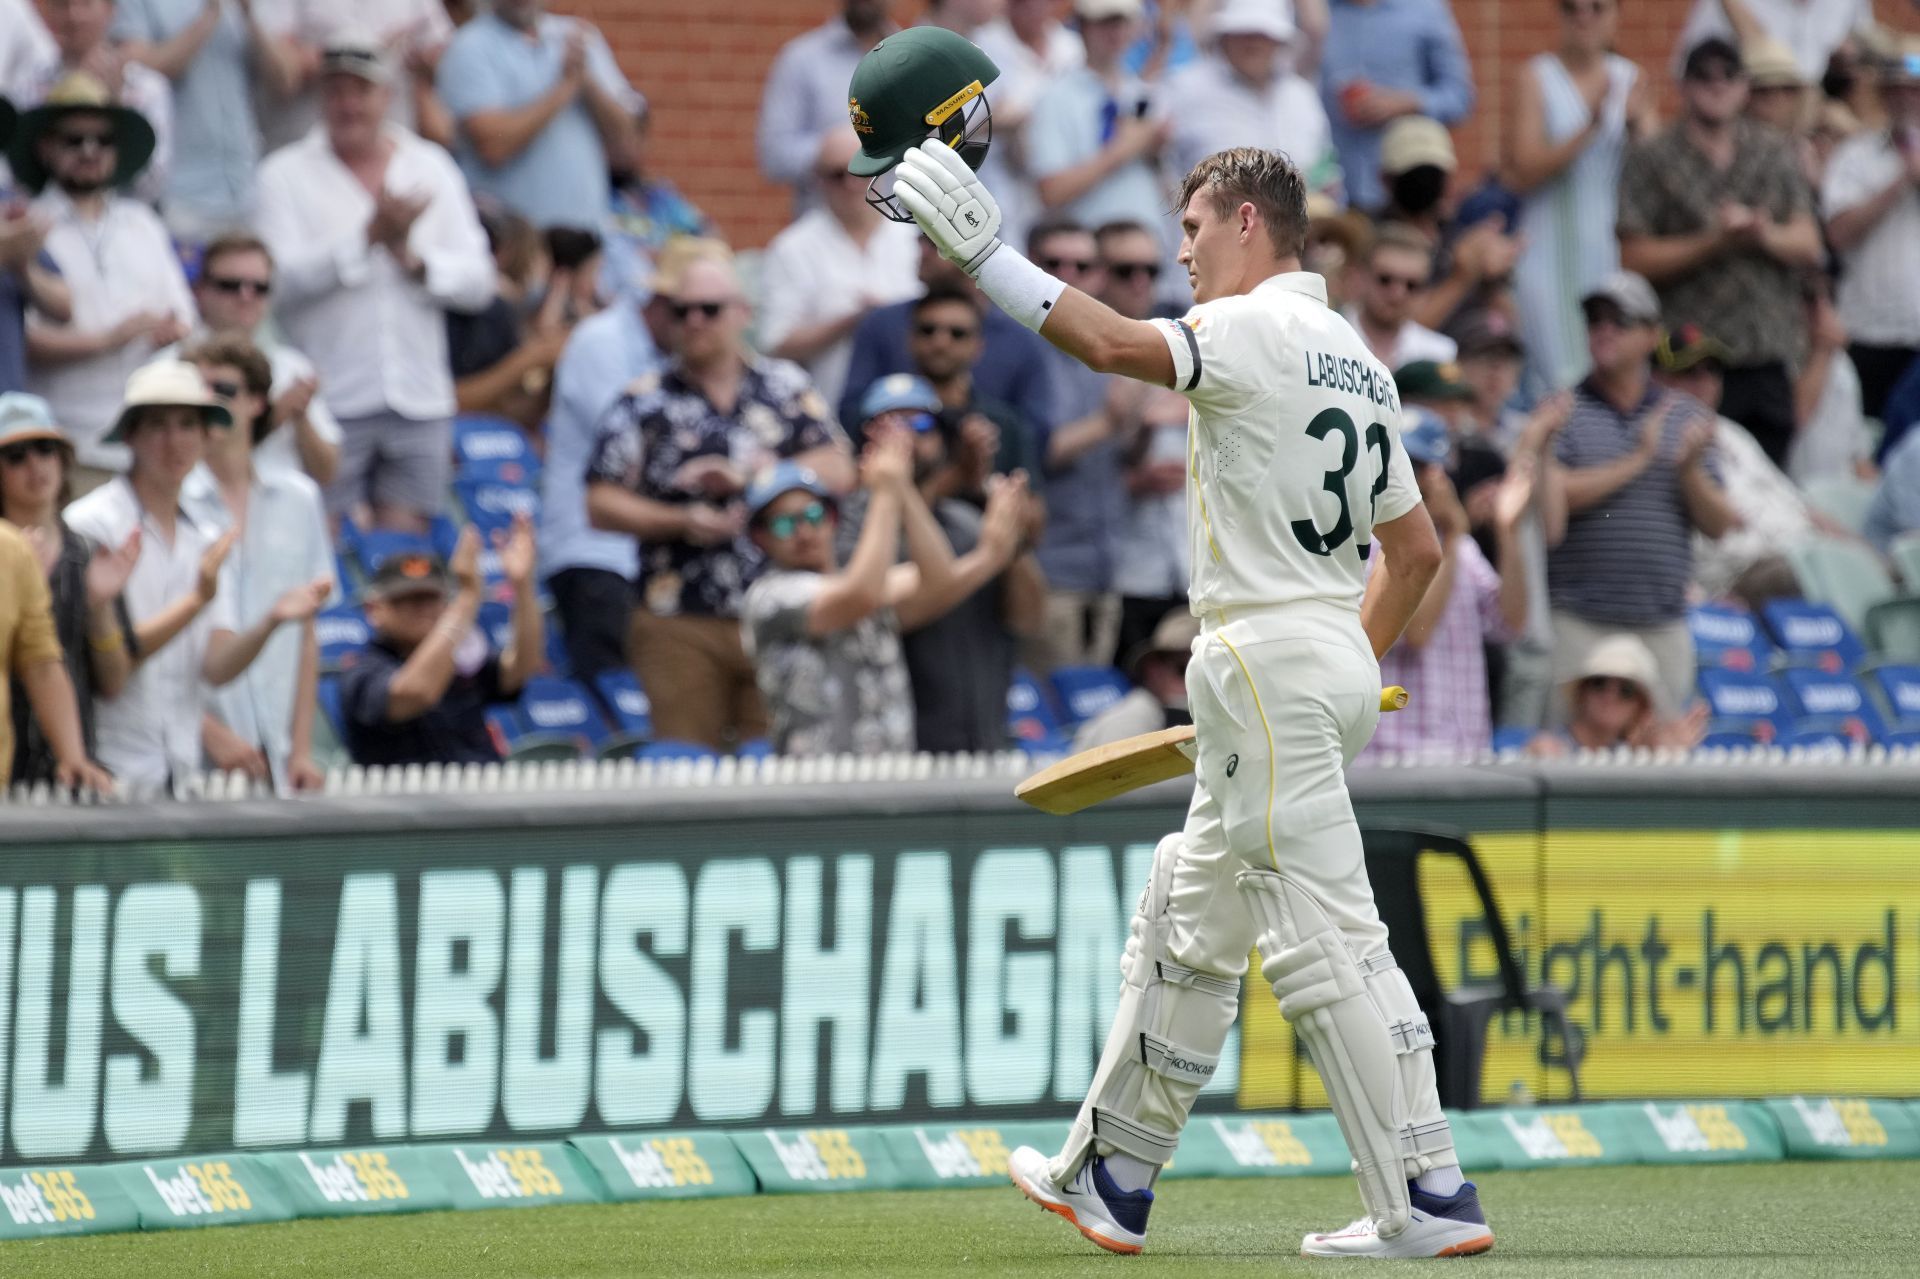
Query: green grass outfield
point(1743, 1220)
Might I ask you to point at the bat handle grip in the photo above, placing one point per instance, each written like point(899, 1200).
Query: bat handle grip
point(1392, 698)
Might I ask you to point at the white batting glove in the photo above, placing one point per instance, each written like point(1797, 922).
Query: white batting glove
point(950, 203)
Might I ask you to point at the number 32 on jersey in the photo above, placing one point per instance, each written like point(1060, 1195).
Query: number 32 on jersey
point(1325, 423)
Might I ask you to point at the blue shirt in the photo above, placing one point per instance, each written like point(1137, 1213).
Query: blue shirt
point(13, 324)
point(560, 177)
point(1087, 498)
point(1012, 368)
point(216, 143)
point(1895, 509)
point(1410, 45)
point(606, 352)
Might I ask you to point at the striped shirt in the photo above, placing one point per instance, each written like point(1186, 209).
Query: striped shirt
point(1626, 561)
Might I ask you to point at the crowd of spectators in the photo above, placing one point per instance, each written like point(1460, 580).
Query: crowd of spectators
point(259, 259)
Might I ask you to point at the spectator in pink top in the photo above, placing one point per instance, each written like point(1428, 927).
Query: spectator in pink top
point(1442, 656)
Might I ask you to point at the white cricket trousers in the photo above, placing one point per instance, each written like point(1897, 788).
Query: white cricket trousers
point(1283, 698)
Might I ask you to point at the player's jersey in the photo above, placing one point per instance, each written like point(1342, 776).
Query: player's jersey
point(1293, 447)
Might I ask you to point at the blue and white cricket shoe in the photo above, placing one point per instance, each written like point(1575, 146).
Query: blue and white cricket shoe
point(1108, 1216)
point(1453, 1226)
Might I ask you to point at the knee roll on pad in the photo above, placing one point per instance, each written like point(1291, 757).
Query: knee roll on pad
point(1368, 1038)
point(1164, 1044)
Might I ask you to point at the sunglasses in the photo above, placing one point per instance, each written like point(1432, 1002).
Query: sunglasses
point(1126, 271)
point(958, 332)
point(84, 141)
point(1611, 317)
point(16, 454)
point(681, 310)
point(1078, 265)
point(224, 389)
point(1593, 9)
point(235, 287)
point(783, 526)
point(1388, 280)
point(1624, 688)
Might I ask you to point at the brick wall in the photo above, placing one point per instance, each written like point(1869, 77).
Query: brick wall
point(701, 65)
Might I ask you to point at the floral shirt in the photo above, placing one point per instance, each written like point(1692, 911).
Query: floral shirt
point(662, 423)
point(839, 694)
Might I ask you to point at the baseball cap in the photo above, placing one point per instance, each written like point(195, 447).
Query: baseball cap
point(1631, 293)
point(1414, 140)
point(1096, 10)
point(1267, 18)
point(1711, 52)
point(357, 54)
point(1424, 437)
point(26, 417)
point(1431, 380)
point(899, 391)
point(1688, 347)
point(1770, 65)
point(408, 573)
point(1484, 332)
point(778, 480)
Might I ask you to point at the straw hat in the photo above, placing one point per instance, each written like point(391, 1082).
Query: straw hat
point(78, 93)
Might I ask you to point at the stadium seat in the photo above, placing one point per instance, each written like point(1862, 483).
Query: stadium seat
point(755, 748)
point(1820, 731)
point(1031, 720)
point(1738, 734)
point(1512, 739)
point(491, 507)
point(1909, 738)
point(627, 706)
point(349, 579)
point(375, 547)
point(1899, 690)
point(1085, 691)
point(1849, 576)
point(341, 632)
point(493, 450)
point(444, 534)
point(1728, 636)
point(1844, 499)
point(1744, 698)
point(561, 707)
point(1837, 700)
point(559, 662)
point(1813, 635)
point(516, 741)
point(670, 750)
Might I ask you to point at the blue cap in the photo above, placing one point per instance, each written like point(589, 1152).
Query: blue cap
point(779, 479)
point(1424, 436)
point(899, 391)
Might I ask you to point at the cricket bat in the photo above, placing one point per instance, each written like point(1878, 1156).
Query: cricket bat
point(1083, 780)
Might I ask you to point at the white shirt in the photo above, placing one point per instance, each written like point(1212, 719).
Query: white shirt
point(1413, 342)
point(1212, 109)
point(1774, 515)
point(1283, 392)
point(377, 337)
point(399, 25)
point(24, 43)
point(285, 544)
point(120, 265)
point(1811, 29)
point(280, 450)
point(141, 87)
point(151, 731)
point(1152, 557)
point(1876, 297)
point(813, 272)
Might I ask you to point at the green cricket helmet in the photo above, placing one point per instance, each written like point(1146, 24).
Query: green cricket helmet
point(924, 82)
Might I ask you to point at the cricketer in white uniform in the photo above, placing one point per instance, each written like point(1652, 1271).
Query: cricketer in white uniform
point(1295, 476)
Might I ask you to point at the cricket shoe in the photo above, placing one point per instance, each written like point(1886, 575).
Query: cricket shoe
point(1108, 1216)
point(1452, 1226)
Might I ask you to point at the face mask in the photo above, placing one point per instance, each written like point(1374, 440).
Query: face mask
point(1419, 189)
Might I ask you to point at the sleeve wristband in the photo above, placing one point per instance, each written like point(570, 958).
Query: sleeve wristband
point(1018, 287)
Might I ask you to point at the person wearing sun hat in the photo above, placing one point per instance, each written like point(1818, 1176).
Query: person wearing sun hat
point(187, 636)
point(1614, 700)
point(82, 39)
point(77, 150)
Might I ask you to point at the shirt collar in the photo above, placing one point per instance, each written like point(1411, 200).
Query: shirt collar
point(1653, 392)
point(1309, 283)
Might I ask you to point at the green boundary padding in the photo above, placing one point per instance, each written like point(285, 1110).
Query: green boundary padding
point(161, 1194)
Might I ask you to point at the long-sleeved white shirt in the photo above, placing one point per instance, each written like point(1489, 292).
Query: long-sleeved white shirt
point(377, 336)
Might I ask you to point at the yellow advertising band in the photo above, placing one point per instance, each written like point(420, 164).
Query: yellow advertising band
point(940, 113)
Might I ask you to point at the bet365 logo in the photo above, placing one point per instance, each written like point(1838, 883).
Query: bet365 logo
point(45, 1198)
point(200, 1189)
point(355, 1176)
point(819, 1154)
point(663, 1163)
point(1556, 1135)
point(1695, 1128)
point(1264, 1143)
point(1835, 1121)
point(511, 1174)
point(964, 1152)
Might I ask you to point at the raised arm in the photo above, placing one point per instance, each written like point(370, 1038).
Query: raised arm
point(859, 590)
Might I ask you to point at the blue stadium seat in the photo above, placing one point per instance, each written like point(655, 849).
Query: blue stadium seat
point(559, 664)
point(1743, 697)
point(1728, 636)
point(1838, 701)
point(1813, 635)
point(1736, 734)
point(1512, 739)
point(515, 740)
point(444, 534)
point(1031, 720)
point(493, 450)
point(676, 750)
point(496, 622)
point(1820, 731)
point(375, 546)
point(627, 706)
point(1899, 689)
point(492, 506)
point(1908, 737)
point(1085, 691)
point(341, 632)
point(561, 707)
point(755, 748)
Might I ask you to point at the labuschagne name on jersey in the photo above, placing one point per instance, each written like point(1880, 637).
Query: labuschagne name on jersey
point(1344, 373)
